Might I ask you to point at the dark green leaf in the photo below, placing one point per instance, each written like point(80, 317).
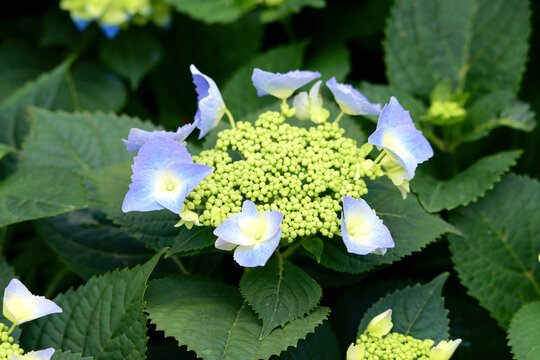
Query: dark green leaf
point(289, 7)
point(524, 332)
point(213, 11)
point(196, 238)
point(213, 320)
point(315, 247)
point(103, 318)
point(497, 258)
point(321, 345)
point(5, 149)
point(418, 311)
point(68, 355)
point(279, 292)
point(331, 62)
point(436, 195)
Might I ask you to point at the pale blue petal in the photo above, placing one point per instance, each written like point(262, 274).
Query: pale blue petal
point(301, 104)
point(394, 115)
point(354, 208)
point(191, 174)
point(224, 245)
point(45, 354)
point(273, 219)
point(350, 100)
point(141, 194)
point(352, 246)
point(17, 287)
point(249, 208)
point(257, 255)
point(211, 107)
point(281, 85)
point(172, 200)
point(137, 137)
point(230, 231)
point(110, 31)
point(158, 153)
point(45, 307)
point(184, 131)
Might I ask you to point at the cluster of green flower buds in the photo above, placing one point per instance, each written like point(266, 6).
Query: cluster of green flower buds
point(302, 172)
point(7, 347)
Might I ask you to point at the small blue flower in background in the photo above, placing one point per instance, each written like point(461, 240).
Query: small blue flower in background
point(396, 133)
point(211, 107)
point(80, 24)
point(350, 100)
point(310, 107)
point(35, 355)
point(138, 137)
point(362, 231)
point(110, 31)
point(281, 85)
point(163, 175)
point(255, 236)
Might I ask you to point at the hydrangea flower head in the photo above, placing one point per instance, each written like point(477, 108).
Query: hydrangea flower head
point(444, 350)
point(310, 107)
point(163, 175)
point(138, 137)
point(254, 236)
point(35, 355)
point(20, 305)
point(356, 352)
point(381, 324)
point(211, 107)
point(396, 133)
point(350, 100)
point(281, 85)
point(362, 231)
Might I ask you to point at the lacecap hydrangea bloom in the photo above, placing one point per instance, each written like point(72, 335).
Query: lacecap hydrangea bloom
point(350, 100)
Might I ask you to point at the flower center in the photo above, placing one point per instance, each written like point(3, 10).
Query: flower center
point(170, 187)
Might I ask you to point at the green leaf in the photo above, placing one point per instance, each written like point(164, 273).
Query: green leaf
point(5, 149)
point(89, 245)
point(524, 332)
point(42, 92)
point(97, 89)
point(479, 45)
point(320, 345)
point(289, 7)
point(103, 318)
point(330, 61)
point(68, 355)
point(40, 192)
point(279, 292)
point(213, 320)
point(240, 95)
point(314, 246)
point(78, 141)
point(213, 11)
point(418, 311)
point(497, 258)
point(411, 228)
point(196, 238)
point(132, 54)
point(436, 195)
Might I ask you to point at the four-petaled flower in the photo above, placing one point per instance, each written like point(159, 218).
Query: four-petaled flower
point(362, 231)
point(45, 354)
point(20, 305)
point(163, 175)
point(444, 350)
point(255, 236)
point(281, 85)
point(381, 324)
point(211, 107)
point(310, 107)
point(138, 137)
point(350, 100)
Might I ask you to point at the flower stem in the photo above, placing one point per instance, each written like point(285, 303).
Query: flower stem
point(180, 265)
point(231, 118)
point(339, 117)
point(380, 157)
point(11, 329)
point(291, 249)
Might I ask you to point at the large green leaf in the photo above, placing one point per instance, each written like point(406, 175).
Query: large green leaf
point(103, 318)
point(411, 228)
point(5, 149)
point(331, 62)
point(436, 195)
point(321, 345)
point(497, 258)
point(42, 92)
point(289, 7)
point(213, 11)
point(213, 320)
point(524, 332)
point(89, 245)
point(196, 238)
point(132, 54)
point(68, 355)
point(239, 94)
point(479, 45)
point(418, 311)
point(78, 141)
point(40, 192)
point(279, 292)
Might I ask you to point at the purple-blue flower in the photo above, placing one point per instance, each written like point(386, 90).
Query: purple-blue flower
point(362, 231)
point(281, 85)
point(163, 175)
point(255, 236)
point(211, 107)
point(110, 31)
point(350, 100)
point(80, 24)
point(138, 137)
point(396, 133)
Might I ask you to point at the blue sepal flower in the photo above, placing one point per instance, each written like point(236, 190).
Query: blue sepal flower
point(163, 175)
point(362, 231)
point(138, 137)
point(350, 100)
point(110, 31)
point(211, 107)
point(396, 133)
point(281, 85)
point(254, 236)
point(80, 24)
